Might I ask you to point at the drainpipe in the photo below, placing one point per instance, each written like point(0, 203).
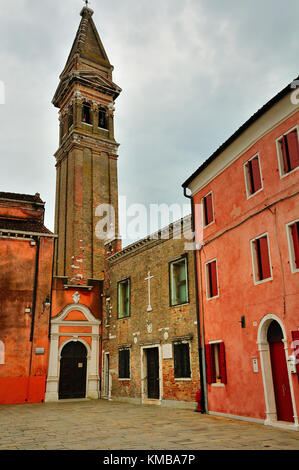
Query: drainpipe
point(51, 293)
point(33, 310)
point(201, 354)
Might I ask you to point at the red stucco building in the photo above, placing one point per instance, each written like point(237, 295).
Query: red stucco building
point(26, 259)
point(246, 213)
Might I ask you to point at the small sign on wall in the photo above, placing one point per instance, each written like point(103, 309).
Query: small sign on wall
point(40, 351)
point(167, 351)
point(255, 364)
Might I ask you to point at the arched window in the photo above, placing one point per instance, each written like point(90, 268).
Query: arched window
point(103, 121)
point(86, 113)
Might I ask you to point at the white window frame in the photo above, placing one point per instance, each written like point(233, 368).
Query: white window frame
point(254, 260)
point(203, 211)
point(291, 246)
point(207, 280)
point(216, 384)
point(171, 280)
point(247, 184)
point(279, 154)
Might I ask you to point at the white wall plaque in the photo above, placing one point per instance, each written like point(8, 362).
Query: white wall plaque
point(167, 351)
point(255, 364)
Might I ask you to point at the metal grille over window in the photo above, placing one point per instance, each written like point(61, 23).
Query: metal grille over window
point(181, 361)
point(124, 364)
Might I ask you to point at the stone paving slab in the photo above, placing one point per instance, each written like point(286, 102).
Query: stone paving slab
point(111, 425)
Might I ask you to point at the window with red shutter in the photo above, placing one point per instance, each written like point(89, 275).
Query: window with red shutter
point(253, 176)
point(289, 149)
point(210, 368)
point(295, 241)
point(293, 149)
point(222, 363)
point(215, 363)
point(212, 283)
point(262, 262)
point(208, 209)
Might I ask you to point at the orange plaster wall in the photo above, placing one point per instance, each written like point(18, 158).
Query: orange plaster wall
point(17, 268)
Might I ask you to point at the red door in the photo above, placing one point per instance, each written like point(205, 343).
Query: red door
point(281, 382)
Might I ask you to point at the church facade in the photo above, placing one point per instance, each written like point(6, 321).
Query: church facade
point(82, 335)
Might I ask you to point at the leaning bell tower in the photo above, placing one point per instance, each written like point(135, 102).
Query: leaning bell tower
point(86, 160)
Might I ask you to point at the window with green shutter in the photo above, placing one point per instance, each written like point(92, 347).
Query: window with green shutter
point(123, 298)
point(179, 282)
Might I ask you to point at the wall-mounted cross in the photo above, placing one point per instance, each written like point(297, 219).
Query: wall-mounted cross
point(148, 279)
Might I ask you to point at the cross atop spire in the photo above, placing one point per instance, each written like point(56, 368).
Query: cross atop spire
point(86, 2)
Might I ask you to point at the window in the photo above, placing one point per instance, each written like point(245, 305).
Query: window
point(293, 237)
point(124, 298)
point(124, 364)
point(179, 282)
point(86, 113)
point(70, 118)
point(102, 119)
point(253, 177)
point(261, 259)
point(288, 152)
point(211, 279)
point(215, 362)
point(181, 355)
point(208, 213)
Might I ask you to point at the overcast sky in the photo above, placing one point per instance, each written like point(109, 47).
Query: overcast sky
point(192, 72)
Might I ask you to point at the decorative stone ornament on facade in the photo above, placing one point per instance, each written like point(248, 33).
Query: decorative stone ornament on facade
point(76, 297)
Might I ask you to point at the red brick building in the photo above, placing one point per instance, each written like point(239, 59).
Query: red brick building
point(246, 212)
point(150, 342)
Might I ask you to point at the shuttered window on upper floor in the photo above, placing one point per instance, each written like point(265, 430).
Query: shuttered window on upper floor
point(178, 272)
point(208, 209)
point(288, 152)
point(293, 236)
point(253, 178)
point(261, 259)
point(211, 279)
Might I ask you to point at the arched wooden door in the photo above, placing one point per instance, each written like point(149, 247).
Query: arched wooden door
point(282, 392)
point(73, 365)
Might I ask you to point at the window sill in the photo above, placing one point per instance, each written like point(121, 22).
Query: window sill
point(103, 129)
point(257, 283)
point(218, 385)
point(212, 298)
point(283, 175)
point(183, 379)
point(180, 305)
point(249, 196)
point(123, 380)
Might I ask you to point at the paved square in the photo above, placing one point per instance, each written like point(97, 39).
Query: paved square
point(104, 425)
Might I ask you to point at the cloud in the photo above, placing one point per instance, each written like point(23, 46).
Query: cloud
point(192, 71)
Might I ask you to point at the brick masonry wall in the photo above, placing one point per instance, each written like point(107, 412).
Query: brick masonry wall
point(158, 327)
